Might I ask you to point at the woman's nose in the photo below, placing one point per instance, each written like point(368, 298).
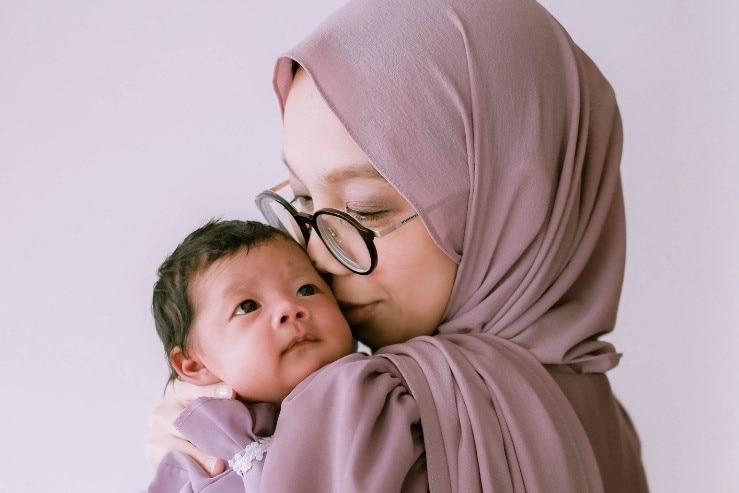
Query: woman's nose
point(322, 258)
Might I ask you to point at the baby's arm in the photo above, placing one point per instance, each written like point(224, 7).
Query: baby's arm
point(229, 430)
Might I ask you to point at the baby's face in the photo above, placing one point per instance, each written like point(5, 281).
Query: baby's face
point(265, 320)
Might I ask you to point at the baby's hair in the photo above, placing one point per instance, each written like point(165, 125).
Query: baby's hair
point(171, 304)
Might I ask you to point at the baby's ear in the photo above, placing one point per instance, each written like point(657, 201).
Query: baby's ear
point(190, 368)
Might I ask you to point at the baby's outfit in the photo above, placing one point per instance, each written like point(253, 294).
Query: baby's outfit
point(233, 431)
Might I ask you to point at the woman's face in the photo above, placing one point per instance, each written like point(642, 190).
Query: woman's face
point(407, 293)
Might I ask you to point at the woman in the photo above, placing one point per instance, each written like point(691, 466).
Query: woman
point(485, 120)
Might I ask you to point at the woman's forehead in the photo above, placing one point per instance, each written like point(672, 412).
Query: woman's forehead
point(333, 173)
point(316, 145)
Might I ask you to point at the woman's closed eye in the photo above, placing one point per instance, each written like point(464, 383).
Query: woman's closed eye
point(303, 203)
point(368, 217)
point(246, 306)
point(307, 290)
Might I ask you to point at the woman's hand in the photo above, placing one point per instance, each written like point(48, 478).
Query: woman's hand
point(164, 437)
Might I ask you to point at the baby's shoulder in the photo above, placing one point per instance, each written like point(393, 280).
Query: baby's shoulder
point(353, 375)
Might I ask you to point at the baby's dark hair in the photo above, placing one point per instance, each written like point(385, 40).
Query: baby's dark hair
point(171, 304)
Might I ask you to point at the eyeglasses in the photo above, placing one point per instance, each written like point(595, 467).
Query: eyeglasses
point(351, 243)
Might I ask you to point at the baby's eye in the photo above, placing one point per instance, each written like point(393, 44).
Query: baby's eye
point(246, 306)
point(307, 290)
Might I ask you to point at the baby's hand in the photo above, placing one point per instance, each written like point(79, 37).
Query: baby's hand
point(164, 437)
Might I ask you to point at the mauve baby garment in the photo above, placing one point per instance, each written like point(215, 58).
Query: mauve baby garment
point(223, 428)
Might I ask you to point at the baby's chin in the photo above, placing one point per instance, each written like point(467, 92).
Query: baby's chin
point(277, 394)
point(275, 400)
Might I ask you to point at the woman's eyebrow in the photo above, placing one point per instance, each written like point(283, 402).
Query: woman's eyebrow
point(348, 171)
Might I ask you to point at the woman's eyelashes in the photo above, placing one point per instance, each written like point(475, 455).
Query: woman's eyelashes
point(366, 217)
point(303, 203)
point(246, 306)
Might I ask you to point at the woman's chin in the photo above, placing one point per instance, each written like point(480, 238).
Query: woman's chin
point(367, 337)
point(359, 315)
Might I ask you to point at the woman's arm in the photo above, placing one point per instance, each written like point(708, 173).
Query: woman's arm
point(351, 426)
point(164, 437)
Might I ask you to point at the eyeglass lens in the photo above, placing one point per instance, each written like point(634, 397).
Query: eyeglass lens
point(278, 216)
point(343, 239)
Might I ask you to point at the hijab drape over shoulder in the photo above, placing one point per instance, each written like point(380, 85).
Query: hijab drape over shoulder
point(506, 139)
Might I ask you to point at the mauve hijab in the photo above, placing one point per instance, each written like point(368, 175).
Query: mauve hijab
point(506, 139)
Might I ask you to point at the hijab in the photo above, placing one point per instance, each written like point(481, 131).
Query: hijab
point(506, 139)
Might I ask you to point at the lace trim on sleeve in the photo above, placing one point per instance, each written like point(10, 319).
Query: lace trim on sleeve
point(242, 461)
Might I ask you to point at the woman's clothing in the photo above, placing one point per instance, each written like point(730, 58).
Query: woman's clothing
point(351, 427)
point(356, 426)
point(611, 432)
point(227, 429)
point(506, 139)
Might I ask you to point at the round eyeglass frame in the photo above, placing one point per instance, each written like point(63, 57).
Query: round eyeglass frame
point(308, 222)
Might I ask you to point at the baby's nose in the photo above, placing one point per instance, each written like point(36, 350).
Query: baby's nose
point(288, 311)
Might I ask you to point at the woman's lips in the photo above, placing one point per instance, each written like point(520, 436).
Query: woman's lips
point(357, 314)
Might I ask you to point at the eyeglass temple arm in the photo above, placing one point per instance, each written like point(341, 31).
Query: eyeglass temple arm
point(393, 227)
point(279, 185)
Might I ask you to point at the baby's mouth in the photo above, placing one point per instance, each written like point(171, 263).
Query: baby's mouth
point(299, 341)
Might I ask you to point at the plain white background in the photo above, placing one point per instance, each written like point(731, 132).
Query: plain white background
point(124, 125)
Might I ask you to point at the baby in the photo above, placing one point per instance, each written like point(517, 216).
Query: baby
point(240, 302)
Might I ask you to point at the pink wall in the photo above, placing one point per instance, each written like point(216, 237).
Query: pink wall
point(123, 125)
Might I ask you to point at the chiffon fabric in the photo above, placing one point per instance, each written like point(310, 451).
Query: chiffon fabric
point(506, 139)
point(222, 428)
